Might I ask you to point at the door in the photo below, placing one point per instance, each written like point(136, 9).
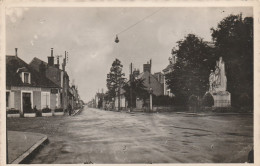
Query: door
point(27, 105)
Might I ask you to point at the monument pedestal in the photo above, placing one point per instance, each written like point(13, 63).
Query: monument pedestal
point(221, 99)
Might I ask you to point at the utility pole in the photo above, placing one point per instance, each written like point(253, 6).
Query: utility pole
point(64, 90)
point(131, 90)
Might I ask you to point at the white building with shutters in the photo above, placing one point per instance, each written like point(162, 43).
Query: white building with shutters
point(26, 88)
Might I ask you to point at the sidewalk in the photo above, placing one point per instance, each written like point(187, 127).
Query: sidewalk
point(22, 144)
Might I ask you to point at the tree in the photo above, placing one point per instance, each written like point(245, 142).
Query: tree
point(191, 71)
point(138, 90)
point(115, 80)
point(233, 38)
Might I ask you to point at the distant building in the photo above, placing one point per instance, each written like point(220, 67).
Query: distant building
point(54, 73)
point(123, 102)
point(99, 98)
point(159, 76)
point(27, 88)
point(168, 69)
point(150, 80)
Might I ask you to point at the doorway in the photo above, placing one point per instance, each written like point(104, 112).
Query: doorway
point(27, 104)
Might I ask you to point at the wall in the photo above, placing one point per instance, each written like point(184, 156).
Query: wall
point(54, 74)
point(122, 102)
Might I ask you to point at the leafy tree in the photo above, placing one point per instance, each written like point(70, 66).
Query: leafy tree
point(138, 90)
point(191, 71)
point(233, 38)
point(115, 80)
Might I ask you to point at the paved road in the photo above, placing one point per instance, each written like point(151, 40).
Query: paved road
point(96, 136)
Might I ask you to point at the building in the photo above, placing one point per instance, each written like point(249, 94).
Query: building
point(159, 76)
point(27, 88)
point(99, 99)
point(74, 98)
point(54, 73)
point(123, 102)
point(150, 80)
point(168, 69)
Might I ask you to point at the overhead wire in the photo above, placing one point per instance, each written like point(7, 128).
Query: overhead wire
point(140, 21)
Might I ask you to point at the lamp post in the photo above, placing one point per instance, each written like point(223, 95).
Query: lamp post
point(151, 98)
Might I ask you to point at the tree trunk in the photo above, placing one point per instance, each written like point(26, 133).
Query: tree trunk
point(118, 98)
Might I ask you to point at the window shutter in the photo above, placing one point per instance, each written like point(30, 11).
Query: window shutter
point(48, 99)
point(11, 100)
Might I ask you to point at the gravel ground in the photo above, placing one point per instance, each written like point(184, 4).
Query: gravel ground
point(98, 136)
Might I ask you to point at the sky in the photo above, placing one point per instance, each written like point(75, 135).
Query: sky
point(88, 34)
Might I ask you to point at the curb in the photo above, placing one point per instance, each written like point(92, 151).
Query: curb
point(215, 114)
point(30, 151)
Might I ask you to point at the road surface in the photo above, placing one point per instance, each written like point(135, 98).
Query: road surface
point(98, 136)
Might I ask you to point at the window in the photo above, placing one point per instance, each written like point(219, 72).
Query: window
point(45, 100)
point(26, 77)
point(7, 98)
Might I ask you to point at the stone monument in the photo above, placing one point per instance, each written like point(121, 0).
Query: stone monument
point(218, 85)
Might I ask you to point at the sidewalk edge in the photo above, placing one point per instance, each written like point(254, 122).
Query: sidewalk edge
point(30, 151)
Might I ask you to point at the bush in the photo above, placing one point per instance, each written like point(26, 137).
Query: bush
point(13, 111)
point(163, 100)
point(58, 110)
point(208, 100)
point(46, 110)
point(38, 112)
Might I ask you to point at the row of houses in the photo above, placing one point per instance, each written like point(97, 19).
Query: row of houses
point(155, 81)
point(38, 85)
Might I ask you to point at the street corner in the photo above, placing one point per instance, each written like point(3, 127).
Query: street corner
point(22, 145)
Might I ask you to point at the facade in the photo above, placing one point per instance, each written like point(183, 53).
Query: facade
point(99, 100)
point(160, 77)
point(167, 70)
point(27, 88)
point(123, 102)
point(74, 98)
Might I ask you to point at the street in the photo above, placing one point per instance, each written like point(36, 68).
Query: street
point(98, 136)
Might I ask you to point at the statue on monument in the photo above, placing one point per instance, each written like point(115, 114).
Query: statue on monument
point(218, 79)
point(218, 85)
point(211, 80)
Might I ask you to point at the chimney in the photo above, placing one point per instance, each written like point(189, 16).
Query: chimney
point(16, 52)
point(51, 58)
point(147, 67)
point(51, 52)
point(58, 63)
point(136, 73)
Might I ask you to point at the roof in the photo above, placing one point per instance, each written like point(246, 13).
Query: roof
point(170, 66)
point(154, 83)
point(35, 63)
point(14, 64)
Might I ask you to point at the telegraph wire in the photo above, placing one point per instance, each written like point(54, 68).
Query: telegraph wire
point(140, 21)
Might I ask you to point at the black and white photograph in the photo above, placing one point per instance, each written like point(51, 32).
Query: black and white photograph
point(129, 84)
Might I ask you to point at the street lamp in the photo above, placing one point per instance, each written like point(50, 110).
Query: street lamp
point(151, 98)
